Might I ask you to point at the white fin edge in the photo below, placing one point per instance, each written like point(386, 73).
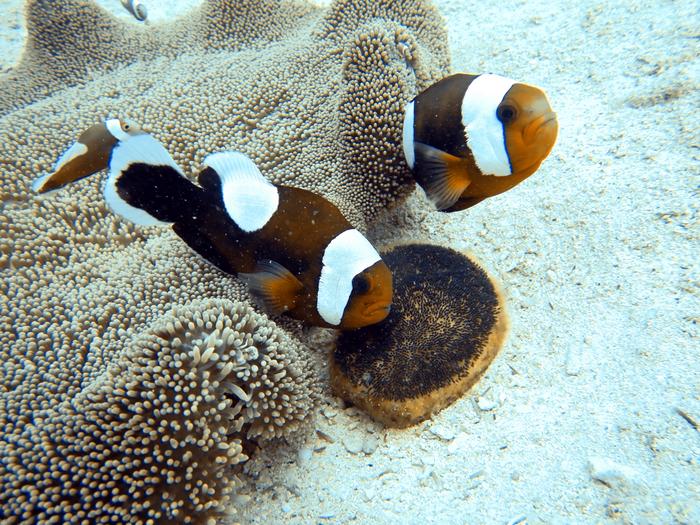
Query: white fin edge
point(249, 198)
point(76, 150)
point(408, 134)
point(37, 184)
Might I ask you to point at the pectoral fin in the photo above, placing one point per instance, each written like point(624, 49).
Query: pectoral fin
point(274, 286)
point(464, 203)
point(442, 176)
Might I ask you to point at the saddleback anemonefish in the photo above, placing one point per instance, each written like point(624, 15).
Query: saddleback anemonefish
point(469, 137)
point(296, 251)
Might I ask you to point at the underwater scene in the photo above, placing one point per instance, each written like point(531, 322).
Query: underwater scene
point(349, 262)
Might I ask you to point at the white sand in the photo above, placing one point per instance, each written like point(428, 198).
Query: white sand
point(595, 252)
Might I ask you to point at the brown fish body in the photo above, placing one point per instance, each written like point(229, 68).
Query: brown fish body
point(300, 250)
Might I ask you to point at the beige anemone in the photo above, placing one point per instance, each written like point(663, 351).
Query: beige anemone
point(313, 95)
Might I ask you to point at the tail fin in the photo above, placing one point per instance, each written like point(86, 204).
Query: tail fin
point(88, 155)
point(146, 186)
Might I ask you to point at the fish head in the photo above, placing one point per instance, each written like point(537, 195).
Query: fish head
point(87, 155)
point(530, 128)
point(370, 299)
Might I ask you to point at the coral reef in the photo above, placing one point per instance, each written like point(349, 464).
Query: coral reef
point(446, 325)
point(312, 95)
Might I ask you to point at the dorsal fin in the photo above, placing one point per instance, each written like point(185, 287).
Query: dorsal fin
point(249, 198)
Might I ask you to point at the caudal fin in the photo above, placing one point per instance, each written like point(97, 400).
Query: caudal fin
point(87, 156)
point(146, 186)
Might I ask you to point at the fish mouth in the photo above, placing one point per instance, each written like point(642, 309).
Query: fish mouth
point(378, 309)
point(548, 117)
point(549, 124)
point(543, 123)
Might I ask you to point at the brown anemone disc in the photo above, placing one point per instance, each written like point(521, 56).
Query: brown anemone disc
point(446, 325)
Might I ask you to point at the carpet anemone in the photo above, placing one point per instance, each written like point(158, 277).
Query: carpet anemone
point(314, 95)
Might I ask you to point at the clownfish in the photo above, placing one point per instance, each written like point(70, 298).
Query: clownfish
point(469, 137)
point(136, 8)
point(295, 250)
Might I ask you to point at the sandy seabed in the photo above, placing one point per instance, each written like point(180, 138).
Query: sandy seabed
point(587, 414)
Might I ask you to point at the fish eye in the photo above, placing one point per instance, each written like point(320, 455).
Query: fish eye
point(128, 126)
point(506, 113)
point(360, 284)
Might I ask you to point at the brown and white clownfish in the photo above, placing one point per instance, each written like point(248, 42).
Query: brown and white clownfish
point(469, 137)
point(295, 250)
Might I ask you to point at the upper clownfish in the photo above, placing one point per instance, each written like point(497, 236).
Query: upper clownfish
point(469, 137)
point(293, 248)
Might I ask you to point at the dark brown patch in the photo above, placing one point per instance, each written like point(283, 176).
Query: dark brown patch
point(443, 312)
point(438, 115)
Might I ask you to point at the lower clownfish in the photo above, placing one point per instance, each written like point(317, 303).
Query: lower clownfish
point(295, 250)
point(469, 137)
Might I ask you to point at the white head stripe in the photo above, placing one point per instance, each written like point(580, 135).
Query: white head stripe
point(485, 136)
point(345, 256)
point(249, 198)
point(134, 149)
point(408, 149)
point(114, 126)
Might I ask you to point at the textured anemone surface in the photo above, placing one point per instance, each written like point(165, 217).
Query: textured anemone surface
point(313, 95)
point(447, 324)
